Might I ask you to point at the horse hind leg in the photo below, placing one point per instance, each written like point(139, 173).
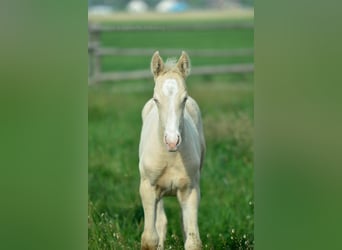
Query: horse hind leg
point(161, 224)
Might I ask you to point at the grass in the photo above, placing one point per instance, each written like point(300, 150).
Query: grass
point(226, 217)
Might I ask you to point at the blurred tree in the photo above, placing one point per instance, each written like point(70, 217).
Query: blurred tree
point(249, 3)
point(198, 3)
point(152, 3)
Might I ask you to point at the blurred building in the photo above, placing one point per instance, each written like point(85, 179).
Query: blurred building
point(137, 6)
point(171, 6)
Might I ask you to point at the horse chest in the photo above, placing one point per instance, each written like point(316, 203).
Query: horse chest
point(171, 179)
point(167, 175)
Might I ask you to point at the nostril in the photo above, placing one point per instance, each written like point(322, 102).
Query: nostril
point(178, 140)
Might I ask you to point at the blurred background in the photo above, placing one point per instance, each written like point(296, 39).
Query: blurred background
point(109, 6)
point(219, 38)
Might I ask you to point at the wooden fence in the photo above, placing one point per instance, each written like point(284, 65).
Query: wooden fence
point(95, 52)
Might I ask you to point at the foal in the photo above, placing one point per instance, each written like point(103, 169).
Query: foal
point(171, 153)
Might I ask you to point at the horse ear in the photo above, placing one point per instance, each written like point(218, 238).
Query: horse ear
point(183, 64)
point(157, 64)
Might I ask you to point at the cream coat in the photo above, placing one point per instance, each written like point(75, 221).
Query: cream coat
point(171, 153)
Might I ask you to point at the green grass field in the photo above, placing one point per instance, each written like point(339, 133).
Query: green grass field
point(226, 217)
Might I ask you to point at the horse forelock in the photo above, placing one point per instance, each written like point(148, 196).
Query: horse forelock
point(170, 63)
point(170, 66)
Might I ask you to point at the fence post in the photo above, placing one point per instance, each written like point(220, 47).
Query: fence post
point(94, 66)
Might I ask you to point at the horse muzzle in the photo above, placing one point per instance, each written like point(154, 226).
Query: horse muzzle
point(172, 141)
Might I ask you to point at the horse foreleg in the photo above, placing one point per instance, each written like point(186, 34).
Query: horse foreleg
point(161, 224)
point(149, 238)
point(189, 200)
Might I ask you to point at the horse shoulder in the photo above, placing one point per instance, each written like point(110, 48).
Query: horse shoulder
point(194, 111)
point(147, 108)
point(148, 125)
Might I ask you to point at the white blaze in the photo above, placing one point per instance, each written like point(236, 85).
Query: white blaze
point(170, 89)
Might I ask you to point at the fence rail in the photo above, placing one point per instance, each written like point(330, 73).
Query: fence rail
point(201, 70)
point(95, 52)
point(172, 52)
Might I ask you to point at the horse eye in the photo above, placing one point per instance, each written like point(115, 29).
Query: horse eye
point(185, 98)
point(155, 100)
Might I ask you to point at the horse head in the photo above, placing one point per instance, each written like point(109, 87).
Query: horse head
point(170, 96)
